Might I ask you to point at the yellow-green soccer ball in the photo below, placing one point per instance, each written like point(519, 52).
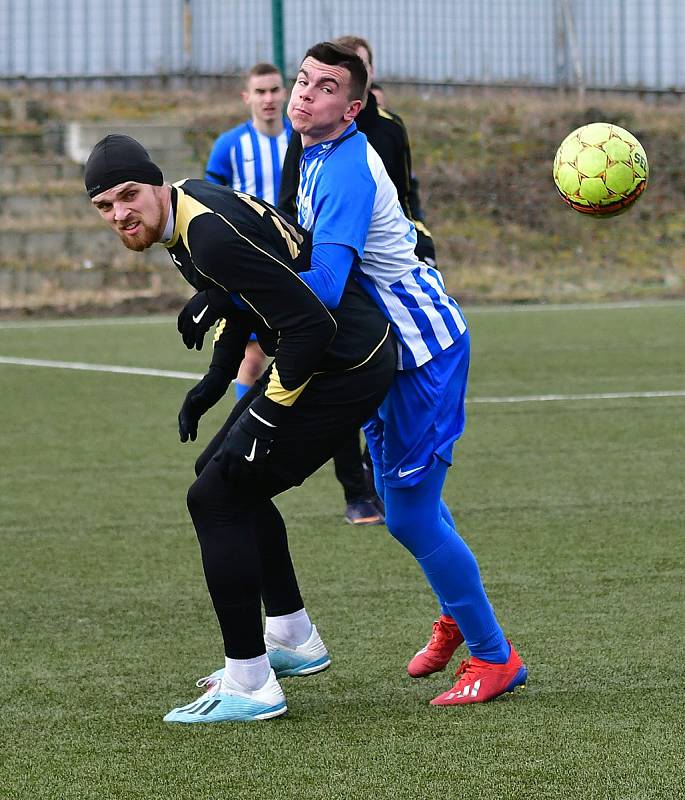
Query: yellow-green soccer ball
point(600, 169)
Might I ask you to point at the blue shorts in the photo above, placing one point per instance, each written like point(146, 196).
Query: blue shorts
point(421, 417)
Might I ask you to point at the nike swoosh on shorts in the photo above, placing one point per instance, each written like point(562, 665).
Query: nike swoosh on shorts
point(403, 473)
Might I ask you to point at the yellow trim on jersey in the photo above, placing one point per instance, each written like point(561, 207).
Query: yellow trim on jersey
point(383, 113)
point(373, 352)
point(420, 226)
point(220, 326)
point(254, 205)
point(187, 209)
point(368, 358)
point(276, 392)
point(278, 261)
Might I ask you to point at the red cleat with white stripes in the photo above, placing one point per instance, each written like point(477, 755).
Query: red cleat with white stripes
point(479, 681)
point(435, 656)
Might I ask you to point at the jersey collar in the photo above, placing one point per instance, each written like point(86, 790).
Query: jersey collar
point(315, 150)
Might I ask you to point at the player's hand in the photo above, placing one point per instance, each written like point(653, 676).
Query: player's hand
point(196, 318)
point(200, 399)
point(425, 249)
point(244, 452)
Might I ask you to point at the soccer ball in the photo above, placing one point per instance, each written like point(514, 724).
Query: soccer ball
point(600, 169)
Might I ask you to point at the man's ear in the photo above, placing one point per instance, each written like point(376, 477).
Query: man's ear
point(246, 97)
point(352, 110)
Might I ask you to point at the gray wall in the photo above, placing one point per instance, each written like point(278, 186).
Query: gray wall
point(625, 44)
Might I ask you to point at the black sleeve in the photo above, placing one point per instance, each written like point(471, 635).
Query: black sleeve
point(401, 175)
point(290, 176)
point(240, 262)
point(415, 200)
point(425, 247)
point(230, 339)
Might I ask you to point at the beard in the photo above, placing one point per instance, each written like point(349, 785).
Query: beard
point(145, 237)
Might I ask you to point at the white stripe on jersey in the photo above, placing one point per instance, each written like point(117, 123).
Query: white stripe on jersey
point(411, 294)
point(267, 169)
point(234, 169)
point(250, 185)
point(282, 143)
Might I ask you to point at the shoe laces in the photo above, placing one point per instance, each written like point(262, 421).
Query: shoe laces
point(209, 680)
point(441, 630)
point(465, 670)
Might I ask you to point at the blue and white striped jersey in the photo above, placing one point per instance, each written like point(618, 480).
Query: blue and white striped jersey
point(248, 161)
point(346, 197)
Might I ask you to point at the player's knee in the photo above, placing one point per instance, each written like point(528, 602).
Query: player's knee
point(403, 527)
point(416, 526)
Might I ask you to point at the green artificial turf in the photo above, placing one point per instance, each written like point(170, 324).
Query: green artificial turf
point(574, 509)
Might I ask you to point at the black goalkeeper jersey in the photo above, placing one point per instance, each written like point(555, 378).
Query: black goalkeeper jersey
point(247, 256)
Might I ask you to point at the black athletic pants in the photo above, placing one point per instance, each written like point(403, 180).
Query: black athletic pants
point(349, 470)
point(242, 535)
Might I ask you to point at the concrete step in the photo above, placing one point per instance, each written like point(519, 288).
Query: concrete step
point(57, 199)
point(166, 144)
point(40, 286)
point(73, 241)
point(39, 140)
point(37, 199)
point(82, 136)
point(38, 171)
point(18, 172)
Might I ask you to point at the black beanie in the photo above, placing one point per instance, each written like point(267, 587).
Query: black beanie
point(116, 159)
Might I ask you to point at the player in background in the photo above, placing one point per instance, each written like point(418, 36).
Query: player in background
point(249, 158)
point(348, 201)
point(388, 136)
point(330, 371)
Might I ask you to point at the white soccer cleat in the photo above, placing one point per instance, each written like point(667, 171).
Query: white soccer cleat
point(305, 659)
point(286, 661)
point(227, 701)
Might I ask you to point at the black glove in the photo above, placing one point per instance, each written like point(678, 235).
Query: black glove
point(243, 454)
point(200, 399)
point(425, 249)
point(196, 318)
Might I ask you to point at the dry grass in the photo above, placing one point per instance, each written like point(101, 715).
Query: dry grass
point(484, 159)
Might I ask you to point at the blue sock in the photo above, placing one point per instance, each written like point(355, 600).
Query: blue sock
point(415, 517)
point(241, 389)
point(447, 517)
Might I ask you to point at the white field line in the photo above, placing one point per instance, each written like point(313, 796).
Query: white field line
point(168, 373)
point(80, 365)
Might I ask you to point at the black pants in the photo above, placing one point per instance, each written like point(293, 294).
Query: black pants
point(242, 535)
point(349, 469)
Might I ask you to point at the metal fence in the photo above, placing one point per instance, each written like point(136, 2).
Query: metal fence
point(605, 44)
point(76, 39)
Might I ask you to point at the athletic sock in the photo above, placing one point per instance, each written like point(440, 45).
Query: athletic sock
point(466, 601)
point(417, 518)
point(291, 629)
point(249, 673)
point(447, 517)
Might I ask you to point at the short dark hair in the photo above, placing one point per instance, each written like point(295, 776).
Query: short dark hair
point(263, 68)
point(336, 55)
point(354, 43)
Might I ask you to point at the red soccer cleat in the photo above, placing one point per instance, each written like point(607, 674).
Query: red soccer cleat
point(479, 681)
point(439, 650)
